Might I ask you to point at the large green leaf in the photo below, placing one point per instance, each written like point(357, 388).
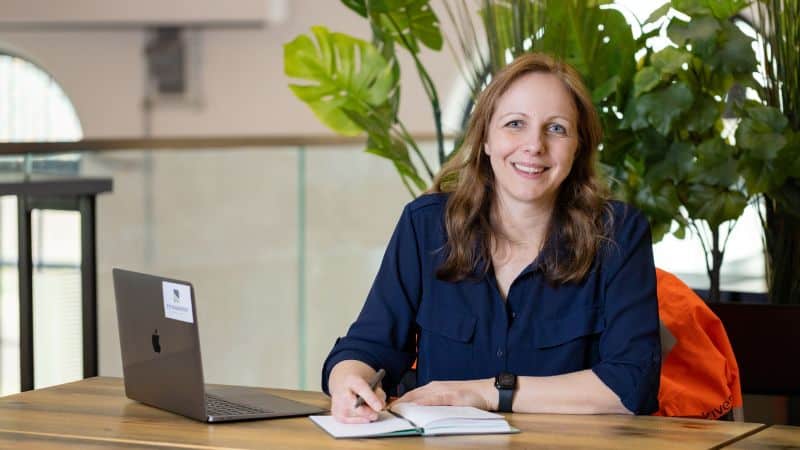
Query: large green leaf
point(735, 52)
point(658, 14)
point(721, 9)
point(670, 60)
point(770, 116)
point(607, 88)
point(714, 205)
point(662, 107)
point(701, 33)
point(760, 134)
point(645, 80)
point(346, 74)
point(704, 114)
point(762, 176)
point(715, 165)
point(725, 9)
point(691, 7)
point(660, 204)
point(597, 42)
point(674, 165)
point(769, 150)
point(408, 22)
point(359, 6)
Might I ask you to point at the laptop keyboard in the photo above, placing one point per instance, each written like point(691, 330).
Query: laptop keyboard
point(216, 406)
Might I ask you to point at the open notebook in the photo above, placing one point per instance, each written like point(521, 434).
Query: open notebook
point(408, 419)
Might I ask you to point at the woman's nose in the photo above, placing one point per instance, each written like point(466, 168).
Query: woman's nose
point(534, 143)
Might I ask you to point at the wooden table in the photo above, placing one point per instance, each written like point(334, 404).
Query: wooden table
point(94, 414)
point(774, 437)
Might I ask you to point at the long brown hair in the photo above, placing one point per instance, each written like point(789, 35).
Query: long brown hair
point(578, 223)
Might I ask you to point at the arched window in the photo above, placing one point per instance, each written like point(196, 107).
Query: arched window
point(34, 108)
point(33, 105)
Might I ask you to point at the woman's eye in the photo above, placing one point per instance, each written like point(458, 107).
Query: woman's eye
point(514, 124)
point(556, 128)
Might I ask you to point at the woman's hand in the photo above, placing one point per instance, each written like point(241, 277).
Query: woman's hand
point(348, 379)
point(478, 393)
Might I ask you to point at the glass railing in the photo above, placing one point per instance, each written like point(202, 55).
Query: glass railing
point(281, 243)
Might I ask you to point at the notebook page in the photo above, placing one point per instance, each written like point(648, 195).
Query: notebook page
point(386, 423)
point(424, 416)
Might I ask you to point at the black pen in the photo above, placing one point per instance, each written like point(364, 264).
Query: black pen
point(373, 383)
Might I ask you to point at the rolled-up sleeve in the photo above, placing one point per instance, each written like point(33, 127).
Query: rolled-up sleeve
point(382, 336)
point(630, 349)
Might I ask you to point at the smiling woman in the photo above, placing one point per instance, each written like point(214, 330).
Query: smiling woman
point(516, 284)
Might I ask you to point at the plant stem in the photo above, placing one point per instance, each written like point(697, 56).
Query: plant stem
point(406, 136)
point(716, 260)
point(405, 182)
point(402, 134)
point(430, 90)
point(694, 225)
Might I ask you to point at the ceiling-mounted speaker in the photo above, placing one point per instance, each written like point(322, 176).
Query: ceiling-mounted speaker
point(165, 53)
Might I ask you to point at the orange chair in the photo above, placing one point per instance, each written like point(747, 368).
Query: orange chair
point(699, 373)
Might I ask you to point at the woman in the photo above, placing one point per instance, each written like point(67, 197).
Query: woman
point(516, 284)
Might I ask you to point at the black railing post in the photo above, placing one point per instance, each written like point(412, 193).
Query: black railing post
point(25, 272)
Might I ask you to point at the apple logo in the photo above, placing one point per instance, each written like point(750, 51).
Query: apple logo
point(156, 343)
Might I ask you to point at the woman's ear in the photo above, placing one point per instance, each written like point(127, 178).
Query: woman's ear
point(486, 148)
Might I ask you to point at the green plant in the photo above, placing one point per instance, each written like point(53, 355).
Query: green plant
point(772, 141)
point(662, 114)
point(353, 86)
point(682, 166)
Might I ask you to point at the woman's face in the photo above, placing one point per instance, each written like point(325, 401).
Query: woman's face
point(532, 140)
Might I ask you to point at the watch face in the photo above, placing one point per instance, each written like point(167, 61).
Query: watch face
point(506, 381)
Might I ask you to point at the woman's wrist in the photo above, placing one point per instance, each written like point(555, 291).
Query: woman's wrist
point(488, 392)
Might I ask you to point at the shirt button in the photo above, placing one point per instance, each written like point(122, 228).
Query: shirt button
point(513, 314)
point(500, 353)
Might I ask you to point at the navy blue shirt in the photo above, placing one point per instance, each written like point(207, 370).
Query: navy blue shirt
point(608, 322)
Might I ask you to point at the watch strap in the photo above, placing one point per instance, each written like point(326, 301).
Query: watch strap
point(506, 399)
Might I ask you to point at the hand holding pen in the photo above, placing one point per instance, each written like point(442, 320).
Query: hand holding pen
point(356, 393)
point(373, 383)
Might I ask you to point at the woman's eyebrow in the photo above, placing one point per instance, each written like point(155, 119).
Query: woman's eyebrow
point(512, 113)
point(559, 116)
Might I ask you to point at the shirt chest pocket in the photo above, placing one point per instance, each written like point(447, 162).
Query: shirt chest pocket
point(446, 343)
point(575, 325)
point(455, 326)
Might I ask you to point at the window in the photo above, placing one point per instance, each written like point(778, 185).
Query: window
point(33, 107)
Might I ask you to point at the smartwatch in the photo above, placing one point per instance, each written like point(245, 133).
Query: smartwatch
point(506, 384)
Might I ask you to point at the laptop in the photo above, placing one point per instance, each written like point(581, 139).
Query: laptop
point(161, 360)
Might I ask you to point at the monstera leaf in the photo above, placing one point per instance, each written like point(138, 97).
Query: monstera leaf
point(407, 22)
point(345, 74)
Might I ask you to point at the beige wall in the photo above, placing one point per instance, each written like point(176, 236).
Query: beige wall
point(243, 90)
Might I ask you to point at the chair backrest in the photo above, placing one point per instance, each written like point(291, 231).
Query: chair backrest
point(699, 372)
point(765, 338)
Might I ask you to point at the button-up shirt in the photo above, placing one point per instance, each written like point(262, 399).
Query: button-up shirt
point(463, 330)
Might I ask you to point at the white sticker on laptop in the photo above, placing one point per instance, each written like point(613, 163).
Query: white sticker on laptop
point(177, 301)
